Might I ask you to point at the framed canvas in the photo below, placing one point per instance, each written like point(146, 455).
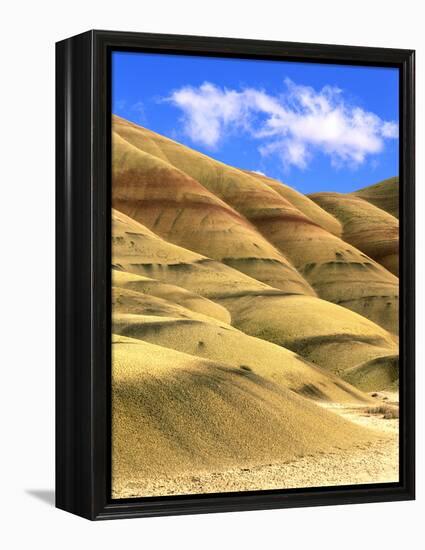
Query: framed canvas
point(235, 274)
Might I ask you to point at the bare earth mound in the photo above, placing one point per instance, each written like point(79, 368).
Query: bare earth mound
point(384, 195)
point(162, 323)
point(180, 210)
point(323, 333)
point(137, 250)
point(177, 295)
point(375, 375)
point(326, 334)
point(199, 416)
point(308, 207)
point(367, 227)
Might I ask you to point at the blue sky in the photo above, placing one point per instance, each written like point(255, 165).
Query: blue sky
point(316, 127)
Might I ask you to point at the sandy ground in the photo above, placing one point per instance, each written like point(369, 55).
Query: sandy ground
point(370, 463)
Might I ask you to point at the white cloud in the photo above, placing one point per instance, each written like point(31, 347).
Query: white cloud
point(390, 130)
point(294, 125)
point(208, 111)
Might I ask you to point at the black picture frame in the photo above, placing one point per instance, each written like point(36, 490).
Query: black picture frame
point(83, 304)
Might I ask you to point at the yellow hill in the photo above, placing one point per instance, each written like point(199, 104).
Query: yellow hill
point(179, 296)
point(368, 228)
point(248, 322)
point(378, 374)
point(163, 323)
point(137, 250)
point(182, 211)
point(133, 302)
point(323, 333)
point(384, 195)
point(337, 271)
point(304, 204)
point(328, 335)
point(175, 414)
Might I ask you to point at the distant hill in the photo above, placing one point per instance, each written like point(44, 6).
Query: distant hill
point(365, 226)
point(384, 195)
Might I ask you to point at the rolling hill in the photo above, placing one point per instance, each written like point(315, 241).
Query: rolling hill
point(175, 294)
point(158, 321)
point(368, 228)
point(245, 316)
point(182, 211)
point(303, 203)
point(384, 195)
point(337, 271)
point(323, 333)
point(200, 415)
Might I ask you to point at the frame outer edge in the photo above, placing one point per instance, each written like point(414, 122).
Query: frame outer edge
point(82, 293)
point(74, 388)
point(408, 273)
